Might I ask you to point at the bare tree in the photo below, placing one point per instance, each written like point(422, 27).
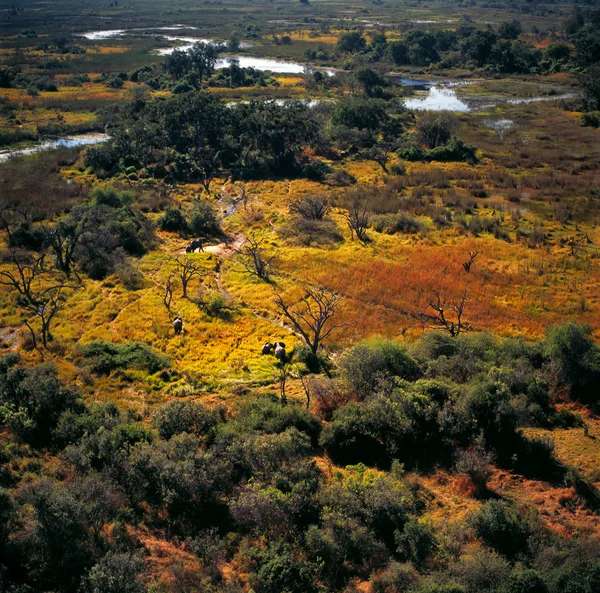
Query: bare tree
point(45, 307)
point(169, 290)
point(357, 218)
point(25, 270)
point(254, 260)
point(439, 318)
point(467, 265)
point(186, 269)
point(244, 194)
point(313, 320)
point(311, 207)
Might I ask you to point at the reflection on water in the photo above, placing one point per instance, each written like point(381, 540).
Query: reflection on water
point(278, 66)
point(63, 142)
point(186, 43)
point(438, 98)
point(94, 35)
point(537, 99)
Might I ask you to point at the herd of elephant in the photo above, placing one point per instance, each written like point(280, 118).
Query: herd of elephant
point(277, 349)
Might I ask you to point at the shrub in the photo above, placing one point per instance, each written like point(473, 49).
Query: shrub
point(279, 570)
point(367, 363)
point(203, 220)
point(173, 221)
point(576, 358)
point(396, 223)
point(33, 400)
point(268, 415)
point(416, 542)
point(115, 573)
point(526, 581)
point(503, 528)
point(302, 231)
point(104, 357)
point(395, 578)
point(184, 416)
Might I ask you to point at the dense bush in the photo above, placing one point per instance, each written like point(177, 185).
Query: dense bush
point(184, 416)
point(503, 528)
point(368, 363)
point(105, 357)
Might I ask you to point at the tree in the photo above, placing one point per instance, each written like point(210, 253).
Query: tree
point(169, 290)
point(46, 306)
point(510, 30)
point(186, 269)
point(467, 265)
point(351, 42)
point(439, 318)
point(591, 87)
point(311, 207)
point(203, 58)
point(435, 130)
point(65, 237)
point(313, 320)
point(254, 260)
point(357, 219)
point(25, 269)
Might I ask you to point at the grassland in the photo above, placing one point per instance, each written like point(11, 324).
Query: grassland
point(528, 207)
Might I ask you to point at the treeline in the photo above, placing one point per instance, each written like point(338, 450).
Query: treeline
point(497, 50)
point(85, 490)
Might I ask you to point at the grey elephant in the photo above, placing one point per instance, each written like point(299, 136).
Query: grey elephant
point(178, 325)
point(280, 353)
point(195, 244)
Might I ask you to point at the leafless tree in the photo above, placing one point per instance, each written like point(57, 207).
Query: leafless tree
point(254, 260)
point(439, 317)
point(313, 319)
point(244, 194)
point(311, 207)
point(45, 307)
point(51, 303)
point(25, 269)
point(357, 219)
point(186, 269)
point(169, 290)
point(467, 265)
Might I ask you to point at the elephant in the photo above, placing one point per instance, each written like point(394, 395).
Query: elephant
point(195, 244)
point(178, 325)
point(280, 353)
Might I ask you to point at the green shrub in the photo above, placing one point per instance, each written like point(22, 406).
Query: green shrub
point(268, 415)
point(32, 401)
point(416, 542)
point(576, 357)
point(367, 363)
point(184, 416)
point(174, 221)
point(104, 357)
point(203, 219)
point(503, 528)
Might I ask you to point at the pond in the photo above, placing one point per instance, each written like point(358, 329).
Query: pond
point(49, 144)
point(185, 43)
point(438, 98)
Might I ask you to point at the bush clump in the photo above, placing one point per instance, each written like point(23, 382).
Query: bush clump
point(104, 357)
